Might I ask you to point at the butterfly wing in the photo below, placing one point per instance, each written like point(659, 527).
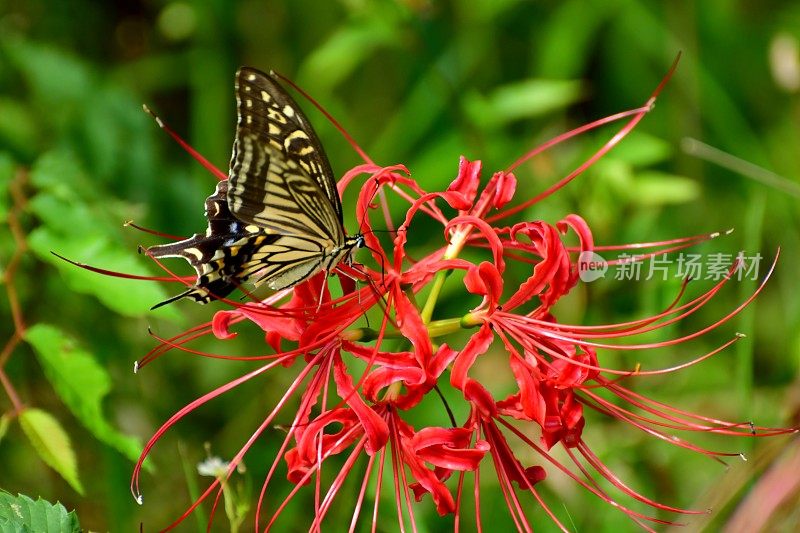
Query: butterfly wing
point(230, 253)
point(214, 255)
point(280, 178)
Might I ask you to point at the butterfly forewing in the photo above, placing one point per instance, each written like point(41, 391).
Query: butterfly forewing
point(278, 169)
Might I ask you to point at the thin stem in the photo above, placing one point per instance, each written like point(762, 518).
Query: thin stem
point(16, 189)
point(437, 328)
point(457, 243)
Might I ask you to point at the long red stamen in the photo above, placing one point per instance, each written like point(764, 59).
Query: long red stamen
point(194, 153)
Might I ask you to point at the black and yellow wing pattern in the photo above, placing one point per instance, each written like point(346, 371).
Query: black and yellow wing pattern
point(277, 219)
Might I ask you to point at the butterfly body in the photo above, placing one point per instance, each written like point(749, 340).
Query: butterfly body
point(277, 219)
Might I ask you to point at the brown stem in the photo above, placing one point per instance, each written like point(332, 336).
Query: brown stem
point(16, 189)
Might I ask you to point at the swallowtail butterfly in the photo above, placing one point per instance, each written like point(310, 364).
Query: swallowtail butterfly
point(277, 219)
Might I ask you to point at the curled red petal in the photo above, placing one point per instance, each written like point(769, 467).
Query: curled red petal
point(488, 232)
point(467, 181)
point(506, 187)
point(485, 280)
point(380, 378)
point(440, 361)
point(312, 442)
point(375, 428)
point(221, 322)
point(413, 328)
point(449, 448)
point(273, 338)
point(477, 345)
point(481, 399)
point(386, 359)
point(271, 320)
point(427, 480)
point(505, 459)
point(531, 400)
point(580, 227)
point(552, 276)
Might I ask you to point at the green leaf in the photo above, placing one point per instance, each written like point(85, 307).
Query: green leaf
point(70, 217)
point(438, 164)
point(55, 78)
point(482, 12)
point(17, 128)
point(568, 38)
point(524, 99)
point(21, 514)
point(124, 296)
point(5, 421)
point(640, 149)
point(80, 382)
point(73, 229)
point(52, 444)
point(60, 173)
point(658, 188)
point(347, 49)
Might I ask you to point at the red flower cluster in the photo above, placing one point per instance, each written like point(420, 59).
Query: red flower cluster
point(555, 368)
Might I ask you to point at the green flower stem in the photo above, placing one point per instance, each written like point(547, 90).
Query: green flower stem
point(437, 328)
point(436, 289)
point(452, 251)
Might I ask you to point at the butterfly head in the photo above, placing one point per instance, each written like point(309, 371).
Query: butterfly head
point(353, 243)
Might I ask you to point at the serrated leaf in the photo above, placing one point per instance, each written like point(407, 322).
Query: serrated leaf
point(21, 514)
point(80, 382)
point(8, 527)
point(52, 444)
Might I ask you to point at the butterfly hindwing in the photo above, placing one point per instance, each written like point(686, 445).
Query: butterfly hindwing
point(213, 254)
point(230, 253)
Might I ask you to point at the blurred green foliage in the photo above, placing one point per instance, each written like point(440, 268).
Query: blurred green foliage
point(415, 82)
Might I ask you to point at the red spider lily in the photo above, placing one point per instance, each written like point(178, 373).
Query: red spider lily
point(356, 387)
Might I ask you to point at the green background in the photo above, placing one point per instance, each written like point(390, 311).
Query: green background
point(418, 83)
